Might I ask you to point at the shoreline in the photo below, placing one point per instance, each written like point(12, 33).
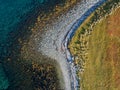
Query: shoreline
point(11, 48)
point(69, 36)
point(52, 40)
point(77, 38)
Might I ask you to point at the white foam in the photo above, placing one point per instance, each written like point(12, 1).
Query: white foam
point(52, 39)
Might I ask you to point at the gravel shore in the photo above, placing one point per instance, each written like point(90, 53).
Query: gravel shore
point(52, 39)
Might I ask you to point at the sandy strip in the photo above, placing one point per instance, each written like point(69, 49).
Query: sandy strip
point(53, 38)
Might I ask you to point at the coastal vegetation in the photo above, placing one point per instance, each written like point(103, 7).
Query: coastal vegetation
point(33, 76)
point(46, 18)
point(96, 48)
point(18, 54)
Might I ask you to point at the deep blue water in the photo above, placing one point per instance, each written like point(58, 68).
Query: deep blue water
point(12, 12)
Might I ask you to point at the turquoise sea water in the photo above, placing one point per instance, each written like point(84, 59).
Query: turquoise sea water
point(12, 13)
point(3, 79)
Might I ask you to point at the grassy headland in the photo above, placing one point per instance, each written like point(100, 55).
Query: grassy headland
point(96, 48)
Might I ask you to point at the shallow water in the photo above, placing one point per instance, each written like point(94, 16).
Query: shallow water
point(12, 13)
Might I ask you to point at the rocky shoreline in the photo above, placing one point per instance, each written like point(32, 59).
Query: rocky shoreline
point(68, 37)
point(20, 70)
point(54, 44)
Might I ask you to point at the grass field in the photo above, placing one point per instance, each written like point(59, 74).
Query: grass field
point(97, 52)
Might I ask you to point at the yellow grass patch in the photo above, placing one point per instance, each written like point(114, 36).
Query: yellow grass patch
point(102, 63)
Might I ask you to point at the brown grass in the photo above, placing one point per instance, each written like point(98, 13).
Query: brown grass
point(102, 65)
